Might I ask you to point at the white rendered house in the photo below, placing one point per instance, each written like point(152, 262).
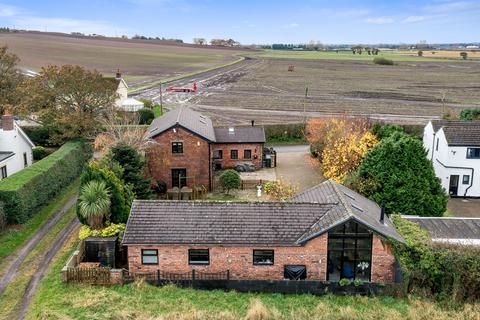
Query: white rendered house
point(15, 148)
point(123, 102)
point(453, 147)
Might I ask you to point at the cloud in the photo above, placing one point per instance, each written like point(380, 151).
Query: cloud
point(69, 25)
point(380, 20)
point(412, 19)
point(8, 11)
point(454, 6)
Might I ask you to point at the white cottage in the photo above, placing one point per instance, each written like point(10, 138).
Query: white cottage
point(454, 149)
point(15, 148)
point(123, 102)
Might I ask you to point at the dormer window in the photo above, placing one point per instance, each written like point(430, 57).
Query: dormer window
point(473, 153)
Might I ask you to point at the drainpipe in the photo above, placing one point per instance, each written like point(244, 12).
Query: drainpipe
point(468, 168)
point(433, 146)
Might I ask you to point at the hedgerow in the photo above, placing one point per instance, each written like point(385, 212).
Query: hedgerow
point(24, 192)
point(449, 273)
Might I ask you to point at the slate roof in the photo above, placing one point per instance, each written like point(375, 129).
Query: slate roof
point(226, 223)
point(240, 135)
point(441, 229)
point(350, 205)
point(459, 133)
point(4, 155)
point(305, 216)
point(185, 117)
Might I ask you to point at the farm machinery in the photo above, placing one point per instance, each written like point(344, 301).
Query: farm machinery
point(183, 89)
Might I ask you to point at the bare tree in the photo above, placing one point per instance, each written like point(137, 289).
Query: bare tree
point(199, 41)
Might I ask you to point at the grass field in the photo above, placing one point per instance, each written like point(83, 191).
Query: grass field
point(138, 61)
point(56, 300)
point(398, 56)
point(13, 238)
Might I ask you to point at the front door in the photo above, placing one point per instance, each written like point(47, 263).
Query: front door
point(453, 190)
point(179, 178)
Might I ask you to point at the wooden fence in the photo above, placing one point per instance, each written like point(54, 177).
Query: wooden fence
point(99, 275)
point(160, 277)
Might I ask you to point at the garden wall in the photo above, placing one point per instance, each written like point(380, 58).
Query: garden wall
point(26, 191)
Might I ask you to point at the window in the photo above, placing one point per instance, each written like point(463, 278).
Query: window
point(177, 147)
point(294, 272)
point(247, 154)
point(4, 172)
point(149, 256)
point(217, 154)
point(262, 257)
point(466, 179)
point(349, 252)
point(473, 153)
point(234, 154)
point(179, 178)
point(25, 160)
point(198, 256)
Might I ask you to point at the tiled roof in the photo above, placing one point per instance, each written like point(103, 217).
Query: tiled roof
point(449, 228)
point(227, 223)
point(459, 133)
point(240, 135)
point(185, 117)
point(351, 205)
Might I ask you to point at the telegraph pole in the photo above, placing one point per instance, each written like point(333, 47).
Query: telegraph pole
point(161, 100)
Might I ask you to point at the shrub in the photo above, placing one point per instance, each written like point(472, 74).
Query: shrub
point(470, 114)
point(383, 61)
point(39, 153)
point(449, 273)
point(134, 167)
point(230, 179)
point(24, 192)
point(121, 195)
point(111, 230)
point(279, 190)
point(383, 131)
point(464, 55)
point(397, 174)
point(146, 116)
point(420, 53)
point(39, 135)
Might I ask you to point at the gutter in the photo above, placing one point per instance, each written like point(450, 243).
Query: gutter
point(467, 168)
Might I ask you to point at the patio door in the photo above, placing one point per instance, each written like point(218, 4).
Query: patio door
point(453, 189)
point(178, 178)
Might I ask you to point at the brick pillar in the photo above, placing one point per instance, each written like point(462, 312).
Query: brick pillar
point(7, 122)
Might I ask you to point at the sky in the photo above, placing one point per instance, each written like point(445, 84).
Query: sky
point(255, 22)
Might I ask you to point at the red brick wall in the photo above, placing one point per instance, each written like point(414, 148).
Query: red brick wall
point(239, 260)
point(383, 261)
point(227, 162)
point(194, 158)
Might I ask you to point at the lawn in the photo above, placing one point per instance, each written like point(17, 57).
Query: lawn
point(56, 300)
point(12, 239)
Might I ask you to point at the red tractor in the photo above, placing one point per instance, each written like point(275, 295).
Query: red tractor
point(183, 89)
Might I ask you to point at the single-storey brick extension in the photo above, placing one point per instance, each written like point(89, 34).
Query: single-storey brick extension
point(191, 148)
point(325, 233)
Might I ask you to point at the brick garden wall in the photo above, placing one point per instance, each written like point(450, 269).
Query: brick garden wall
point(227, 162)
point(239, 260)
point(194, 158)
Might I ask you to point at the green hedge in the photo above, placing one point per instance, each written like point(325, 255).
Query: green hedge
point(24, 192)
point(292, 132)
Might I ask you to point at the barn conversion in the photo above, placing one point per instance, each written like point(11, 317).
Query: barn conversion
point(326, 233)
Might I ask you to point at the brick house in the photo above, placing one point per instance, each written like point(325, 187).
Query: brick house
point(326, 233)
point(187, 148)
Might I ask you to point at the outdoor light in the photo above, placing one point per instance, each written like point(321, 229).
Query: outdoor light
point(198, 143)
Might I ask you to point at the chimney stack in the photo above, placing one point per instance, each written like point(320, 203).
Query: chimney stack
point(253, 123)
point(382, 214)
point(118, 76)
point(7, 122)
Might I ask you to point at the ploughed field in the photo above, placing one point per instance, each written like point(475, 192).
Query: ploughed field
point(410, 91)
point(140, 61)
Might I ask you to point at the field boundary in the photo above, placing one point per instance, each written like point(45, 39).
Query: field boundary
point(183, 76)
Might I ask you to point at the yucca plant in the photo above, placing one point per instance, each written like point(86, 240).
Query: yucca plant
point(94, 203)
